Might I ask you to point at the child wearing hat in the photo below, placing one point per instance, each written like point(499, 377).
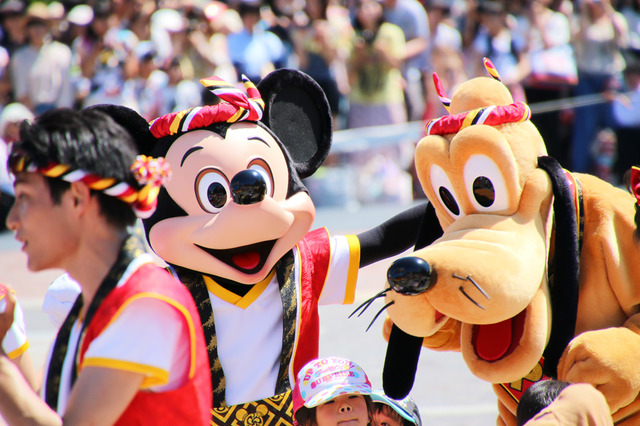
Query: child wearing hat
point(330, 391)
point(393, 412)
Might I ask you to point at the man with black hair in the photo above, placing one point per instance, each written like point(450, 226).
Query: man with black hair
point(131, 349)
point(556, 403)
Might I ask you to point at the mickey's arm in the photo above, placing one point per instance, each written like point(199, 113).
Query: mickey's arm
point(395, 235)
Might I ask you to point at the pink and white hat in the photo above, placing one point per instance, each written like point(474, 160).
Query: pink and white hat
point(324, 379)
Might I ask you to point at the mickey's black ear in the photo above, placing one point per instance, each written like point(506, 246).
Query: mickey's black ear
point(133, 122)
point(297, 111)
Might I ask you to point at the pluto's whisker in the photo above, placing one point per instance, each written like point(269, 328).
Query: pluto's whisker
point(469, 297)
point(365, 305)
point(378, 314)
point(468, 278)
point(478, 287)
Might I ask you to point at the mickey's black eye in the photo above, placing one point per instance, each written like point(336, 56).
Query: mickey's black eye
point(212, 190)
point(449, 200)
point(483, 191)
point(217, 194)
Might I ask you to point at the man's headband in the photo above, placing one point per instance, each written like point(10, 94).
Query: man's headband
point(492, 115)
point(235, 106)
point(635, 183)
point(149, 172)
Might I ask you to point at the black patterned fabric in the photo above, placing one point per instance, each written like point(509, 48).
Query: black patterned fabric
point(276, 414)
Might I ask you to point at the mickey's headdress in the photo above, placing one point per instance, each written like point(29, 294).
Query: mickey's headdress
point(236, 106)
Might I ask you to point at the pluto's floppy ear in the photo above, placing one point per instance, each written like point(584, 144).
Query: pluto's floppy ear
point(297, 111)
point(137, 126)
point(403, 350)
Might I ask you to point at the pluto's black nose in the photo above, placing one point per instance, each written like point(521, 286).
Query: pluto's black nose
point(248, 187)
point(410, 276)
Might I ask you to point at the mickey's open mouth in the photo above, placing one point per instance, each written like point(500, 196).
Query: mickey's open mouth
point(493, 342)
point(247, 259)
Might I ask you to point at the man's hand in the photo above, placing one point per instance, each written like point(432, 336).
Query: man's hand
point(7, 308)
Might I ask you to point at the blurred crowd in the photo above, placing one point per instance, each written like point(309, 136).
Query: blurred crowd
point(373, 58)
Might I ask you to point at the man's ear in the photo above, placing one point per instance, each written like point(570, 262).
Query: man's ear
point(80, 196)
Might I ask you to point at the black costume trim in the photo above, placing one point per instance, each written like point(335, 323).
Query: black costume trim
point(131, 249)
point(195, 284)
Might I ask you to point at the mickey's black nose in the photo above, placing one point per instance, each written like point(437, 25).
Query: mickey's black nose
point(248, 187)
point(410, 276)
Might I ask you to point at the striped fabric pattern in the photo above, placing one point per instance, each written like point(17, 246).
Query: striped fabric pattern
point(150, 172)
point(235, 106)
point(491, 116)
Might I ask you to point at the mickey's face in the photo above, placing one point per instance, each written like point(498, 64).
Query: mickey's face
point(239, 221)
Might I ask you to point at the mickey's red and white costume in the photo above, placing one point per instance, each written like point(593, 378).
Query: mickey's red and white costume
point(234, 224)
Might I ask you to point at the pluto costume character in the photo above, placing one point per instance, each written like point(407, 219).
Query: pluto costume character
point(234, 223)
point(529, 270)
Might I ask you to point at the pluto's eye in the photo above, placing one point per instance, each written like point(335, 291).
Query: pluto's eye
point(212, 190)
point(485, 184)
point(448, 200)
point(261, 166)
point(483, 191)
point(444, 190)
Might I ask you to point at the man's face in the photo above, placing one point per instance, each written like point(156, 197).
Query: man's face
point(345, 410)
point(45, 229)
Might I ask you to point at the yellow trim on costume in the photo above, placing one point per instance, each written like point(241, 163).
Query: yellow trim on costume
point(175, 124)
point(354, 267)
point(180, 308)
point(208, 83)
point(526, 115)
point(153, 376)
point(16, 353)
point(468, 120)
point(242, 302)
point(236, 116)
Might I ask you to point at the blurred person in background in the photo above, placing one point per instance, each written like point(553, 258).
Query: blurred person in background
point(57, 16)
point(553, 72)
point(254, 51)
point(10, 118)
point(374, 66)
point(599, 35)
point(626, 119)
point(376, 99)
point(322, 49)
point(13, 35)
point(41, 70)
point(496, 41)
point(630, 9)
point(446, 53)
point(140, 91)
point(411, 17)
point(223, 21)
point(96, 58)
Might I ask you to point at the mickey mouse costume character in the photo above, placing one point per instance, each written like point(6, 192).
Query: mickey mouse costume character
point(233, 223)
point(531, 271)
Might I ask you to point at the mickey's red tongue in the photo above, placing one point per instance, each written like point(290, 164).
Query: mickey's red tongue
point(248, 260)
point(492, 341)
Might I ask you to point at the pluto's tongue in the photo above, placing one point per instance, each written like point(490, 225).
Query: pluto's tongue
point(248, 260)
point(493, 340)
